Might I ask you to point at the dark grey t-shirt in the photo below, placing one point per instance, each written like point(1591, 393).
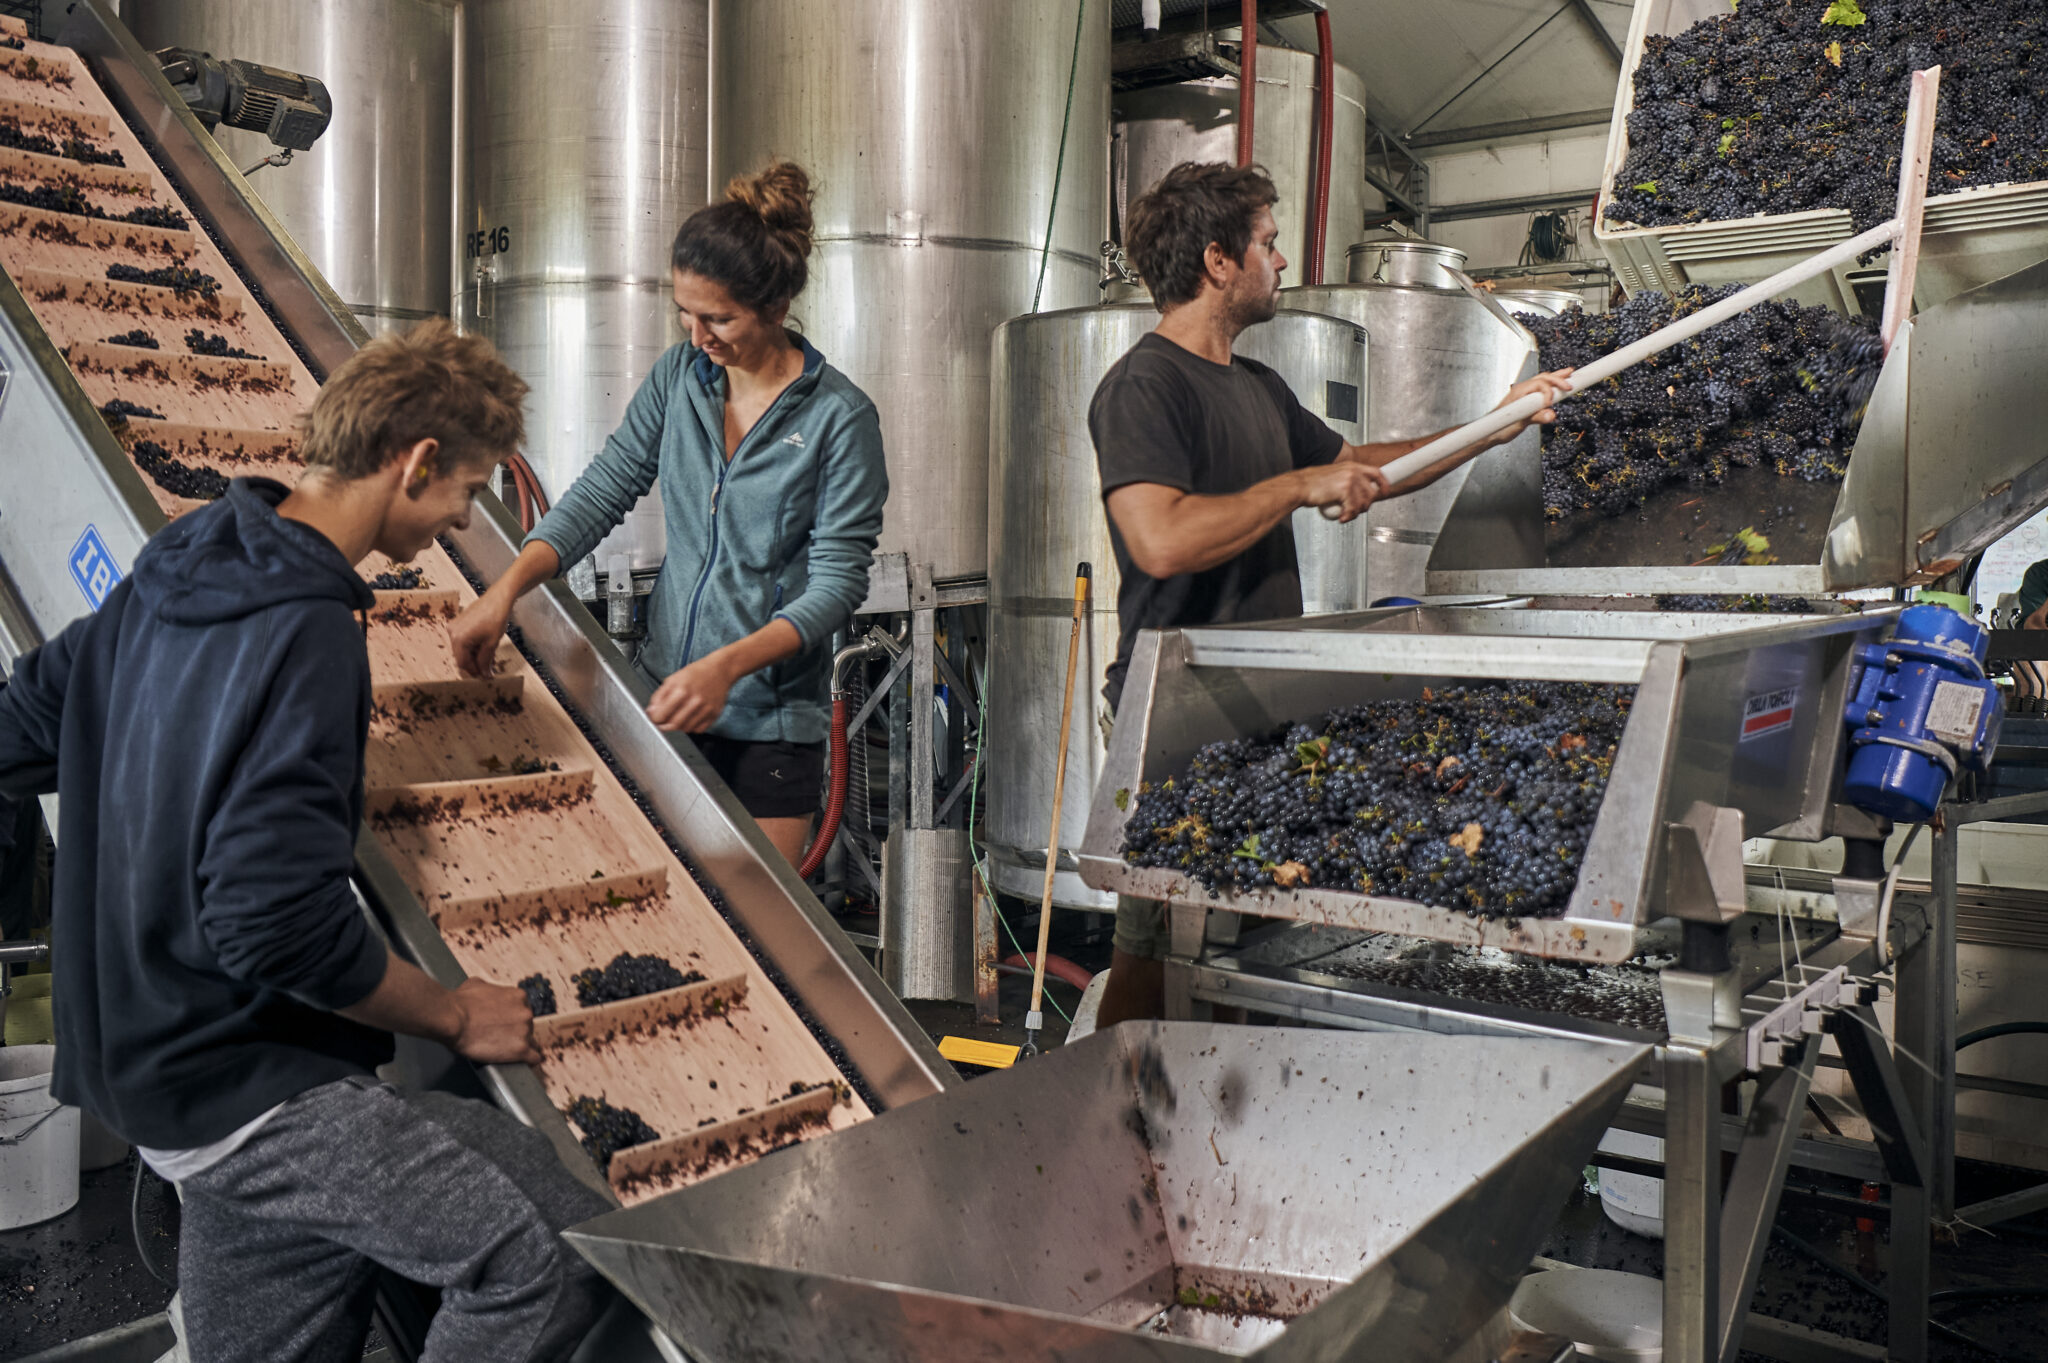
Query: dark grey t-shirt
point(1165, 415)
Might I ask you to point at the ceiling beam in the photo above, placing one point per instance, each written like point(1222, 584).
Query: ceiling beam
point(1599, 29)
point(1519, 127)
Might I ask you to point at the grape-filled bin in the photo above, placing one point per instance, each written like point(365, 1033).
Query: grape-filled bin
point(1742, 715)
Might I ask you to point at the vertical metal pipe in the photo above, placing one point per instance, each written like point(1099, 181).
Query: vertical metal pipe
point(1938, 1045)
point(1692, 1207)
point(1326, 147)
point(1247, 79)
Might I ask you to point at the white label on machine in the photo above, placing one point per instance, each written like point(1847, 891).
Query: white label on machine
point(1769, 711)
point(1952, 716)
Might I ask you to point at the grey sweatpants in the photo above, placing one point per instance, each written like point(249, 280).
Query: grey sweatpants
point(277, 1256)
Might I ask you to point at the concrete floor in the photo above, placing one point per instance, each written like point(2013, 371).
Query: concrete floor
point(79, 1273)
point(1794, 1288)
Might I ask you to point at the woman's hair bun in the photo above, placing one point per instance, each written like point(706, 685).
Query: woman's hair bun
point(780, 195)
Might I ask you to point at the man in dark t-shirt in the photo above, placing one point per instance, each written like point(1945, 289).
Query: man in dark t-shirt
point(1205, 456)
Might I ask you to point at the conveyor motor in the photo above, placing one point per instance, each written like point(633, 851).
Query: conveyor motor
point(1921, 710)
point(291, 109)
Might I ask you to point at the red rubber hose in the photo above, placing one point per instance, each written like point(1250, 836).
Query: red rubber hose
point(835, 796)
point(1325, 151)
point(1059, 967)
point(1247, 78)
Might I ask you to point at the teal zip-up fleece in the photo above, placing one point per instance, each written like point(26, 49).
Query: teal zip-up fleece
point(784, 530)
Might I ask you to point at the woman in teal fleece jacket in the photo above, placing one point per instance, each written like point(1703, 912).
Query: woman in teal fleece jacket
point(772, 485)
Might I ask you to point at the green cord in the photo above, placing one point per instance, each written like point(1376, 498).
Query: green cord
point(1060, 164)
point(995, 906)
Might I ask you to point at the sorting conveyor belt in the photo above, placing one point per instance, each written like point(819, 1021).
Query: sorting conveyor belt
point(533, 822)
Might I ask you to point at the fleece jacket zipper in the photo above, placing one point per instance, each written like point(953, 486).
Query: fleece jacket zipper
point(724, 471)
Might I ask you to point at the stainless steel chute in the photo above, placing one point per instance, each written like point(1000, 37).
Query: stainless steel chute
point(1162, 1191)
point(1684, 746)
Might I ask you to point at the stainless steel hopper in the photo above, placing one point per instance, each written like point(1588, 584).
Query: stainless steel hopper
point(1948, 461)
point(1694, 742)
point(1161, 1191)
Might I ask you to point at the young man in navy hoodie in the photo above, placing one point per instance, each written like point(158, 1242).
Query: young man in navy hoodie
point(221, 998)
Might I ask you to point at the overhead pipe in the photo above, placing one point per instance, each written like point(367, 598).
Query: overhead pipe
point(1325, 152)
point(1247, 78)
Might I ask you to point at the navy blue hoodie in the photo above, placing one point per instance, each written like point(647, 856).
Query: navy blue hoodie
point(204, 733)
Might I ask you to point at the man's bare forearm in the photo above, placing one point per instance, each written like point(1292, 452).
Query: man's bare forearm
point(408, 1002)
point(1187, 533)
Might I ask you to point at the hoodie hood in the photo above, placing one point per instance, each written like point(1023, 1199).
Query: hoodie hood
point(238, 556)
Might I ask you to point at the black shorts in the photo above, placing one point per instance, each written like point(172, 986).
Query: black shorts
point(773, 780)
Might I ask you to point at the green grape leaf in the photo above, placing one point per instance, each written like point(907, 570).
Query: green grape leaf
point(1845, 14)
point(1647, 186)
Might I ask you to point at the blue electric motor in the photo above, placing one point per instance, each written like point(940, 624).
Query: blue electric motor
point(1922, 709)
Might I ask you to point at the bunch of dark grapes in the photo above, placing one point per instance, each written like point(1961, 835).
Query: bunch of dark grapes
point(607, 1129)
point(50, 198)
point(1478, 798)
point(628, 977)
point(213, 343)
point(1751, 603)
point(12, 137)
point(1781, 386)
point(176, 277)
point(540, 995)
point(404, 579)
point(137, 337)
point(153, 215)
point(86, 154)
point(1769, 109)
point(119, 410)
point(176, 477)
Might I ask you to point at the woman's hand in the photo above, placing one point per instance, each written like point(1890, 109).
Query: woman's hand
point(691, 699)
point(475, 633)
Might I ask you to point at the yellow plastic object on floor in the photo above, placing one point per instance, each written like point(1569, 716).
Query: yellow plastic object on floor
point(993, 1055)
point(28, 1011)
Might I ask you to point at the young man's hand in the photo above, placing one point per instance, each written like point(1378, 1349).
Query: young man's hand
point(497, 1025)
point(692, 698)
point(475, 633)
point(1554, 385)
point(1348, 484)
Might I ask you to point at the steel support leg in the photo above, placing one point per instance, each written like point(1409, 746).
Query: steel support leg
point(1692, 1207)
point(987, 983)
point(1187, 926)
point(1754, 1187)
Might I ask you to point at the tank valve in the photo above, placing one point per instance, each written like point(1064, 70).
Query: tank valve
point(1921, 710)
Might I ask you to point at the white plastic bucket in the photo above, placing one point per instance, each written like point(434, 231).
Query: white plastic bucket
point(1612, 1316)
point(38, 1140)
point(1634, 1202)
